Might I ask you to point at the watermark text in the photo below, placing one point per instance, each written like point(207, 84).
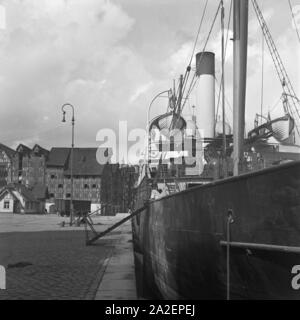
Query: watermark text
point(296, 278)
point(2, 278)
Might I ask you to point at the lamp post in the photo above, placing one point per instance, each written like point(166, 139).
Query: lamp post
point(72, 149)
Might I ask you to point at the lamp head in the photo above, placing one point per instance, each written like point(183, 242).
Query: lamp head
point(64, 116)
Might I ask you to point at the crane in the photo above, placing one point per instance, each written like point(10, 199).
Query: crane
point(290, 99)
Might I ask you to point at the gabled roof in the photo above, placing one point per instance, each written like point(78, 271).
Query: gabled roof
point(10, 152)
point(58, 157)
point(85, 163)
point(4, 191)
point(27, 193)
point(23, 190)
point(37, 149)
point(21, 148)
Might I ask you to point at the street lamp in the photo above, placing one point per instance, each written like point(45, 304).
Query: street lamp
point(72, 149)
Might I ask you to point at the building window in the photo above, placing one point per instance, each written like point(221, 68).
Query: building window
point(68, 195)
point(94, 186)
point(6, 205)
point(60, 186)
point(86, 186)
point(53, 176)
point(51, 195)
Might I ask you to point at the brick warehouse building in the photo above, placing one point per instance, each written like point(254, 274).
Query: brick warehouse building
point(87, 176)
point(30, 165)
point(7, 168)
point(94, 186)
point(23, 165)
point(22, 176)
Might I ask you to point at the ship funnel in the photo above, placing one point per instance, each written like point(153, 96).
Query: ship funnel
point(205, 114)
point(205, 63)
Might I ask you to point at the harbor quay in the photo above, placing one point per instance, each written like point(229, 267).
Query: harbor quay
point(45, 260)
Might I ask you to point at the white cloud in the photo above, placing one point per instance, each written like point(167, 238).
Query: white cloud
point(139, 91)
point(109, 58)
point(53, 52)
point(179, 59)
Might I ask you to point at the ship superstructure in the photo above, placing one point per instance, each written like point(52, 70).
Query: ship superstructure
point(222, 210)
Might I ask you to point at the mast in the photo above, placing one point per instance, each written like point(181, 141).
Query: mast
point(180, 94)
point(223, 89)
point(240, 38)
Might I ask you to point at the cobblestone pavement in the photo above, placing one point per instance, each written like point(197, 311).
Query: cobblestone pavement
point(51, 264)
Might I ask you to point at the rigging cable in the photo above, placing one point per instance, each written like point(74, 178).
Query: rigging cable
point(188, 69)
point(207, 39)
point(226, 99)
point(280, 69)
point(198, 32)
point(262, 75)
point(220, 86)
point(297, 31)
point(193, 81)
point(275, 105)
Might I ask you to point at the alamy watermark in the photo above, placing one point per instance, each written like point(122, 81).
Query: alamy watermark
point(160, 146)
point(296, 279)
point(2, 278)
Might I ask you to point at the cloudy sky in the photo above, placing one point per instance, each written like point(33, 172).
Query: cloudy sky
point(110, 57)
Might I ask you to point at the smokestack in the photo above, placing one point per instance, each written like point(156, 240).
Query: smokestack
point(205, 115)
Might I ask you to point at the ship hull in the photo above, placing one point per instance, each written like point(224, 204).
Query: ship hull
point(180, 240)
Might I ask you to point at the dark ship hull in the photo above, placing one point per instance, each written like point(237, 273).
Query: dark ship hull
point(180, 240)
